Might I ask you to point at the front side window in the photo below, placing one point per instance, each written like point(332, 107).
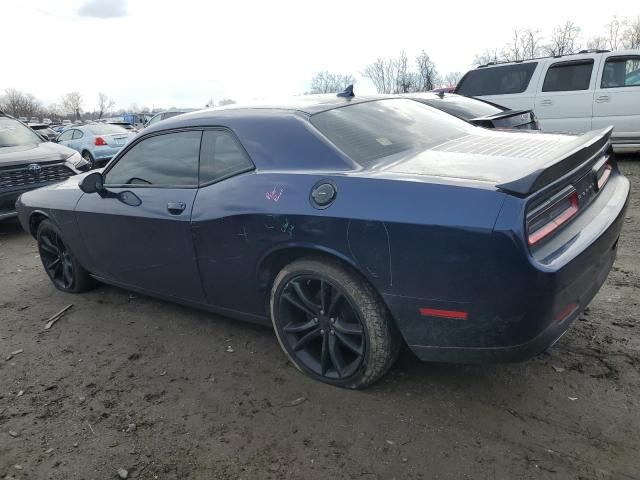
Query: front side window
point(164, 160)
point(64, 136)
point(13, 133)
point(370, 131)
point(502, 80)
point(221, 156)
point(621, 72)
point(568, 76)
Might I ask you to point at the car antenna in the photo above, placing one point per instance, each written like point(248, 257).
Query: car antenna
point(347, 92)
point(440, 94)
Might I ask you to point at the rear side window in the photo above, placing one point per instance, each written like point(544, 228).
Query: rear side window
point(568, 76)
point(369, 131)
point(503, 80)
point(221, 156)
point(164, 160)
point(77, 134)
point(621, 72)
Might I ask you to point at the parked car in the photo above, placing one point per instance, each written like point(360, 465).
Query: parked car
point(350, 225)
point(42, 129)
point(444, 90)
point(577, 93)
point(66, 123)
point(96, 143)
point(47, 121)
point(23, 119)
point(479, 112)
point(165, 115)
point(27, 162)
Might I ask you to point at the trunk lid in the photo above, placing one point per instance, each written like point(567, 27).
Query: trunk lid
point(519, 163)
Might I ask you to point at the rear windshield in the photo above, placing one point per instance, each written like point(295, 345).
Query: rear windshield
point(370, 131)
point(501, 80)
point(105, 129)
point(463, 107)
point(13, 133)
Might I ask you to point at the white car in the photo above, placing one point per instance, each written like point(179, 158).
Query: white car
point(575, 93)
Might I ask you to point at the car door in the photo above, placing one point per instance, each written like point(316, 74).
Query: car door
point(565, 95)
point(65, 137)
point(617, 97)
point(138, 232)
point(76, 140)
point(224, 242)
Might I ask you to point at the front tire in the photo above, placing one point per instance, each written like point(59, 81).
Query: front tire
point(89, 158)
point(331, 323)
point(63, 269)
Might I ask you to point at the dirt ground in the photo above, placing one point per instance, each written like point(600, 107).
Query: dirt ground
point(167, 392)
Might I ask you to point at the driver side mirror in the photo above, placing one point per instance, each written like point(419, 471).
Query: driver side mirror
point(92, 183)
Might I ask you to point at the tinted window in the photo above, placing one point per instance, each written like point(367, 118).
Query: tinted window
point(372, 130)
point(65, 136)
point(77, 134)
point(169, 159)
point(621, 72)
point(221, 156)
point(105, 129)
point(497, 80)
point(463, 107)
point(568, 76)
point(13, 133)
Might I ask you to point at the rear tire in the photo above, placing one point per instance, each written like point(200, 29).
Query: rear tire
point(331, 323)
point(89, 158)
point(62, 267)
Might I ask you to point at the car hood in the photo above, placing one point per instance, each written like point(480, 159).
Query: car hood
point(35, 153)
point(493, 156)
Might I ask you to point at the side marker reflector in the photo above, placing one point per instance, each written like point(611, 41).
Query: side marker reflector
point(453, 314)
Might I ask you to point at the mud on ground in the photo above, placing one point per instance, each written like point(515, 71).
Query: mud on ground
point(128, 382)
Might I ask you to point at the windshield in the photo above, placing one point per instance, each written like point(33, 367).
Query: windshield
point(13, 133)
point(370, 131)
point(105, 129)
point(467, 108)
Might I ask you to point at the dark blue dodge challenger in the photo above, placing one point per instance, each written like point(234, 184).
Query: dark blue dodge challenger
point(352, 225)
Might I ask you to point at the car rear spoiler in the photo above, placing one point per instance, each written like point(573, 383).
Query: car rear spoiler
point(505, 114)
point(592, 144)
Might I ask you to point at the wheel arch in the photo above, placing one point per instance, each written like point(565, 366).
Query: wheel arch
point(276, 258)
point(35, 219)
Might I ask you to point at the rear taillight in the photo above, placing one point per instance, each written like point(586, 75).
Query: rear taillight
point(100, 141)
point(545, 219)
point(604, 172)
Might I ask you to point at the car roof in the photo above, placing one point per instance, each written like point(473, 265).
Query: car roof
point(305, 105)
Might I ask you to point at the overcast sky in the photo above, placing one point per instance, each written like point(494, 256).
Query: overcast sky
point(181, 53)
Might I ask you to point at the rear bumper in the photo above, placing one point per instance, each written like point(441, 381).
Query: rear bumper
point(523, 305)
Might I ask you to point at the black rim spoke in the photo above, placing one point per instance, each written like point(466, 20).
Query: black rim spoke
point(303, 296)
point(306, 339)
point(299, 327)
point(48, 246)
point(321, 328)
point(53, 264)
point(347, 328)
point(349, 343)
point(336, 356)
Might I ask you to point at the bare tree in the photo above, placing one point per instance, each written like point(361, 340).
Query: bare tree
point(597, 43)
point(530, 43)
point(451, 79)
point(327, 82)
point(12, 102)
point(226, 101)
point(488, 56)
point(382, 74)
point(210, 103)
point(427, 75)
point(104, 104)
point(631, 34)
point(406, 80)
point(564, 39)
point(614, 35)
point(72, 104)
point(512, 52)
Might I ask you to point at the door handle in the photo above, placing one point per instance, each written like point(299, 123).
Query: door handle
point(546, 101)
point(176, 208)
point(602, 98)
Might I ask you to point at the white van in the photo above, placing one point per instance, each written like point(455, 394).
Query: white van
point(576, 93)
